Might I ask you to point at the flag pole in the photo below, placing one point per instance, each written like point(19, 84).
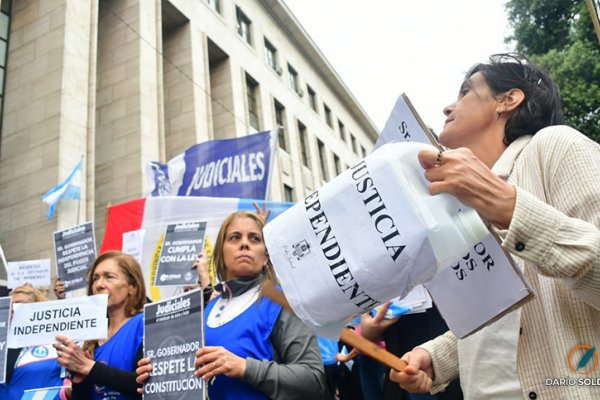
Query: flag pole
point(79, 199)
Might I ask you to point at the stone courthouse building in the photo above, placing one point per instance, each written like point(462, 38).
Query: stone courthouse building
point(124, 82)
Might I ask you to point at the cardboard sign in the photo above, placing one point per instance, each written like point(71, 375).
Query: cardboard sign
point(79, 318)
point(75, 250)
point(34, 272)
point(5, 303)
point(173, 331)
point(180, 248)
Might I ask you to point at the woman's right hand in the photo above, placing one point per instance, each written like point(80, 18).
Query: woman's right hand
point(73, 358)
point(143, 372)
point(418, 375)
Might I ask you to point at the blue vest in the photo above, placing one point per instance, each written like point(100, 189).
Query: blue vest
point(247, 335)
point(35, 368)
point(119, 352)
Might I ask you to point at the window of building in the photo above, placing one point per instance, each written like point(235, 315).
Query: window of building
point(353, 141)
point(342, 130)
point(243, 26)
point(294, 82)
point(271, 56)
point(5, 13)
point(215, 5)
point(280, 123)
point(312, 98)
point(337, 164)
point(252, 98)
point(304, 150)
point(323, 160)
point(363, 151)
point(328, 118)
point(288, 193)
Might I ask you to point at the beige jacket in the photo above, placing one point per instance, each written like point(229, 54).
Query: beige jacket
point(554, 236)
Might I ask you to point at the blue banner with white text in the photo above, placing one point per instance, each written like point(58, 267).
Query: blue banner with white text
point(239, 167)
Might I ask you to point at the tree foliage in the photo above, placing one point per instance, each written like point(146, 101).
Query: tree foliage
point(559, 36)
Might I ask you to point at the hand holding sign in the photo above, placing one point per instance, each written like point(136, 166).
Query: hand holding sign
point(460, 173)
point(73, 358)
point(417, 376)
point(215, 360)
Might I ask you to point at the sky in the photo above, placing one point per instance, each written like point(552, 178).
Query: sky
point(382, 48)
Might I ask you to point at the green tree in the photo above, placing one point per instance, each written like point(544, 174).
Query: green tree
point(559, 36)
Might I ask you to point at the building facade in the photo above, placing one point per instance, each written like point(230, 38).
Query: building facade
point(124, 82)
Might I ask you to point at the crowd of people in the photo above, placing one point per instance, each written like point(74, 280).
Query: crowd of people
point(508, 156)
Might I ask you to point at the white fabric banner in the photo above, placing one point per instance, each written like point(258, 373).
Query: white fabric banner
point(370, 235)
point(80, 318)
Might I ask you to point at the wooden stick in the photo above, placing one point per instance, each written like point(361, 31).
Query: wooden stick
point(372, 350)
point(347, 336)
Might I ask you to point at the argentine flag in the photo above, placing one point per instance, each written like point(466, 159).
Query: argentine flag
point(42, 394)
point(70, 188)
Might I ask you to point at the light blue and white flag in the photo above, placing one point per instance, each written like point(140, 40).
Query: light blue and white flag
point(42, 394)
point(70, 188)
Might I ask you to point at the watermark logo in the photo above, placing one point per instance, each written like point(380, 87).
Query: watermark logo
point(583, 359)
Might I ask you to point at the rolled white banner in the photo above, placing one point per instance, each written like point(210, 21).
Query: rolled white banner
point(369, 235)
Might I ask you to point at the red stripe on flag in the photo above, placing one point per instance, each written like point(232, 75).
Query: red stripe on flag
point(122, 218)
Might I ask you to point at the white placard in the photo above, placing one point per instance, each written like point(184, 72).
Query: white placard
point(369, 235)
point(34, 272)
point(80, 318)
point(484, 284)
point(133, 243)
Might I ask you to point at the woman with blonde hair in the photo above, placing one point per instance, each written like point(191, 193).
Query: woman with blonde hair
point(254, 349)
point(105, 369)
point(31, 367)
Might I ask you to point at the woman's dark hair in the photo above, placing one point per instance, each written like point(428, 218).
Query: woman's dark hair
point(540, 108)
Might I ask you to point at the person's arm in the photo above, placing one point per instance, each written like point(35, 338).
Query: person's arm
point(120, 380)
point(298, 370)
point(561, 239)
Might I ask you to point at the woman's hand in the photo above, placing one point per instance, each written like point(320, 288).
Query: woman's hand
point(143, 372)
point(73, 358)
point(59, 288)
point(341, 357)
point(263, 213)
point(418, 375)
point(372, 328)
point(460, 173)
point(201, 266)
point(216, 360)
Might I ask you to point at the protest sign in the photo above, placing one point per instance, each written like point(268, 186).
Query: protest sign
point(133, 242)
point(238, 167)
point(75, 250)
point(173, 331)
point(79, 318)
point(482, 285)
point(3, 263)
point(180, 248)
point(4, 319)
point(369, 235)
point(34, 272)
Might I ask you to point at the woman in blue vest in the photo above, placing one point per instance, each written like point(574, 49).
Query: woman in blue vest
point(105, 369)
point(33, 367)
point(254, 349)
